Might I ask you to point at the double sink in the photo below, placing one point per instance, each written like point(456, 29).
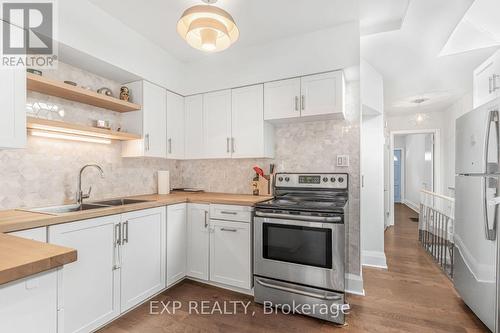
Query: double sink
point(87, 206)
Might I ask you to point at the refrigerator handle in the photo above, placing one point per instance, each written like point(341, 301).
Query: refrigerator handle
point(492, 118)
point(490, 204)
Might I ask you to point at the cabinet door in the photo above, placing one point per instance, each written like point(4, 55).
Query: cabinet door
point(487, 81)
point(38, 234)
point(217, 124)
point(322, 94)
point(193, 118)
point(248, 127)
point(282, 99)
point(230, 253)
point(13, 114)
point(30, 304)
point(197, 241)
point(143, 255)
point(175, 126)
point(155, 120)
point(176, 243)
point(91, 285)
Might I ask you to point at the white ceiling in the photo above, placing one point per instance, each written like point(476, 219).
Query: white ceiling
point(381, 15)
point(408, 58)
point(259, 21)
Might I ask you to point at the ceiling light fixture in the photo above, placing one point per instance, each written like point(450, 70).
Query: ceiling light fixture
point(208, 28)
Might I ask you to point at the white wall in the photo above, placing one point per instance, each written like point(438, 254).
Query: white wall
point(87, 28)
point(320, 51)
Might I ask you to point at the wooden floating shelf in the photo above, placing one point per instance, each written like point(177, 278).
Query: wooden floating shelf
point(60, 89)
point(76, 129)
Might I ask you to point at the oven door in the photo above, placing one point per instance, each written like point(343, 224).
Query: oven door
point(300, 251)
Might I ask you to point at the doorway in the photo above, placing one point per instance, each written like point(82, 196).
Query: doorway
point(414, 159)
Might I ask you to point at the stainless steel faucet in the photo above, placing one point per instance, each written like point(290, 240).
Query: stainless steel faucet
point(79, 193)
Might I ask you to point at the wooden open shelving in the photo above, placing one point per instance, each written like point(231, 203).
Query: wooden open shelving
point(76, 129)
point(77, 94)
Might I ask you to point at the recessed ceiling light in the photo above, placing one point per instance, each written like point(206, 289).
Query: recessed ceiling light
point(208, 28)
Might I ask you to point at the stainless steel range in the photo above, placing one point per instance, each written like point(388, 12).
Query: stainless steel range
point(299, 253)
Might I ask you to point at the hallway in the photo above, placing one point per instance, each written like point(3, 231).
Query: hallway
point(413, 295)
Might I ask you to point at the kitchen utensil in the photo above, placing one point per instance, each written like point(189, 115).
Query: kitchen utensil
point(259, 171)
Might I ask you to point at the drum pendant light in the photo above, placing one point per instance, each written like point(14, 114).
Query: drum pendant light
point(208, 28)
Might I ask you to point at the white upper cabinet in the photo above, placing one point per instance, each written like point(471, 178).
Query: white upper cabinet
point(319, 96)
point(13, 114)
point(282, 99)
point(175, 126)
point(252, 137)
point(487, 81)
point(193, 120)
point(322, 94)
point(198, 235)
point(151, 121)
point(217, 124)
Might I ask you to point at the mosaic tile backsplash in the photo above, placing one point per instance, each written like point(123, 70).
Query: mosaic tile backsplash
point(45, 172)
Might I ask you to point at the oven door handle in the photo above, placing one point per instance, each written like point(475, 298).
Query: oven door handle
point(300, 217)
point(299, 292)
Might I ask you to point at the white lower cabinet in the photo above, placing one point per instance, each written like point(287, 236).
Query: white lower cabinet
point(230, 255)
point(176, 243)
point(198, 228)
point(142, 255)
point(38, 234)
point(30, 304)
point(91, 285)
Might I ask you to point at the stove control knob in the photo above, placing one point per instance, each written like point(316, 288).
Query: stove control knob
point(333, 179)
point(341, 180)
point(325, 179)
point(280, 179)
point(287, 179)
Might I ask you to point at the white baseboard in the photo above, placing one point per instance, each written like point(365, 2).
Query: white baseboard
point(412, 205)
point(354, 284)
point(373, 259)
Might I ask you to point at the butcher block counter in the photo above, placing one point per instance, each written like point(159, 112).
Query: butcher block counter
point(22, 257)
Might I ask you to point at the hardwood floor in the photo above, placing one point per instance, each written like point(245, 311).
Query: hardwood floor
point(413, 295)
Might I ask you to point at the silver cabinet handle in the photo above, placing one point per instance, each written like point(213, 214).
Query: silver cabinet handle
point(490, 205)
point(303, 102)
point(117, 247)
point(206, 219)
point(230, 230)
point(300, 292)
point(299, 217)
point(296, 103)
point(232, 145)
point(228, 212)
point(227, 145)
point(125, 232)
point(170, 145)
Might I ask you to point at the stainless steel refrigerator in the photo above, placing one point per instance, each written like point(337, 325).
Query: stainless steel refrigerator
point(477, 191)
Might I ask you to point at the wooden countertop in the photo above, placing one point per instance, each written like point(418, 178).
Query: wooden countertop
point(21, 257)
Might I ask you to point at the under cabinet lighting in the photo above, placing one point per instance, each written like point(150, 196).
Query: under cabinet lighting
point(64, 136)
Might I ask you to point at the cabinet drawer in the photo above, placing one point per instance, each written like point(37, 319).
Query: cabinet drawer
point(231, 213)
point(38, 234)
